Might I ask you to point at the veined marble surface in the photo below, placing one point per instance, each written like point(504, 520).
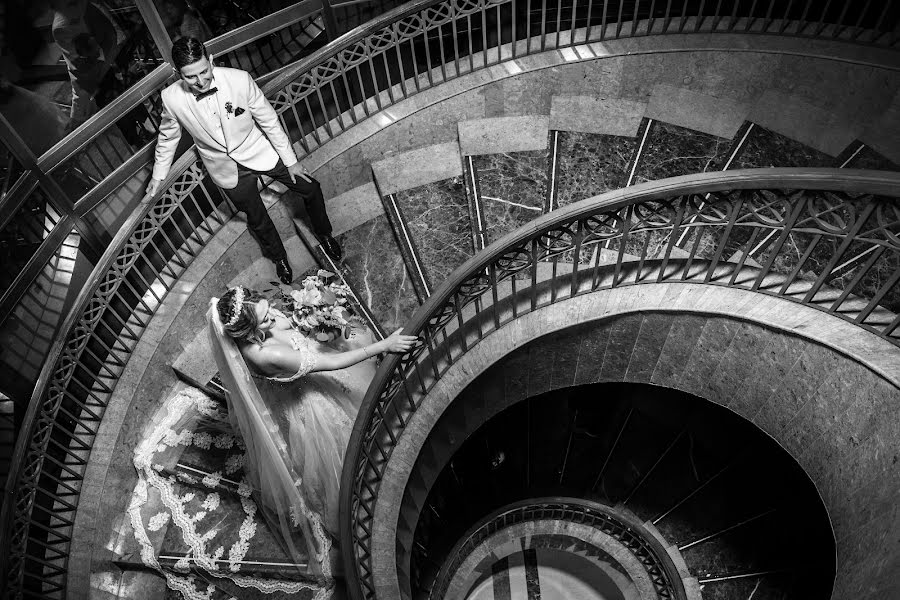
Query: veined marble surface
point(438, 219)
point(590, 164)
point(765, 148)
point(672, 150)
point(512, 188)
point(373, 265)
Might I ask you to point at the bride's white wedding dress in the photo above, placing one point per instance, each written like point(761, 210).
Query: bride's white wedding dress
point(296, 429)
point(312, 416)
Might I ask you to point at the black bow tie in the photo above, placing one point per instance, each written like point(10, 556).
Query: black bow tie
point(203, 95)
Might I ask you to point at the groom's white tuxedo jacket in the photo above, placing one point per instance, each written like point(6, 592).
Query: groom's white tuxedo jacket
point(253, 138)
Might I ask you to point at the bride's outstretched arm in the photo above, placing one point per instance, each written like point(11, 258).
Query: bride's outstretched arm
point(287, 360)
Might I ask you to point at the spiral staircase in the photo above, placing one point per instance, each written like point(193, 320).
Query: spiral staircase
point(420, 191)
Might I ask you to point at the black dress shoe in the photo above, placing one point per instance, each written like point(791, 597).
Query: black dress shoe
point(332, 248)
point(283, 269)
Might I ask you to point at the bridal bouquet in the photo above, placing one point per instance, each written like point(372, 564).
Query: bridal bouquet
point(322, 308)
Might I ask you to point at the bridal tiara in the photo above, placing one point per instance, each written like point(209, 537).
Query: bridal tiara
point(236, 304)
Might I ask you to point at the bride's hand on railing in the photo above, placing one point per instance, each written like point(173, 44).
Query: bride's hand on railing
point(397, 343)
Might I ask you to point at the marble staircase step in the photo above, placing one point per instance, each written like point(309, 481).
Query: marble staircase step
point(413, 168)
point(438, 219)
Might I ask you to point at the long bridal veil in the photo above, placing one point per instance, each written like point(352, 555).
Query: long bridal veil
point(269, 469)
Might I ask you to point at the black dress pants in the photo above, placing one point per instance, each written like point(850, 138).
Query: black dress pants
point(245, 197)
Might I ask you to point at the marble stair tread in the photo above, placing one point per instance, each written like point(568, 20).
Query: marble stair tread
point(414, 168)
point(354, 207)
point(720, 117)
point(587, 114)
point(498, 135)
point(799, 120)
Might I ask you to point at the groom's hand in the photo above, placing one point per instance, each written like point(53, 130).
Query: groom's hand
point(297, 170)
point(152, 188)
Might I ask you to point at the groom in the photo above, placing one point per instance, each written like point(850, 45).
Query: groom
point(239, 138)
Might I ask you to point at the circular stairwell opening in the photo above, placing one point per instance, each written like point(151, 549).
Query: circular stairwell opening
point(718, 491)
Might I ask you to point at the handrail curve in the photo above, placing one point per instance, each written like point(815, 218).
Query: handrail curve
point(419, 26)
point(649, 551)
point(844, 224)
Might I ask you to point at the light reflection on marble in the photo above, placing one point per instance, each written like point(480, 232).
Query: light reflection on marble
point(590, 164)
point(765, 148)
point(374, 267)
point(870, 159)
point(672, 150)
point(512, 187)
point(439, 223)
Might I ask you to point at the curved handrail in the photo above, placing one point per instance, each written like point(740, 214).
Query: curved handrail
point(649, 551)
point(858, 210)
point(415, 24)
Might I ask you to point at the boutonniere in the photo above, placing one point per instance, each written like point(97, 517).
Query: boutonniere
point(229, 108)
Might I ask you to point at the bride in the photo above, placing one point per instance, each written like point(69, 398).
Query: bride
point(294, 402)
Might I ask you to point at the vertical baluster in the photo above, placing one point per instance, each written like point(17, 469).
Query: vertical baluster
point(499, 34)
point(339, 113)
point(667, 17)
point(442, 61)
point(587, 31)
point(619, 20)
point(634, 18)
point(397, 47)
point(527, 26)
point(543, 26)
point(484, 39)
point(576, 259)
point(387, 72)
point(415, 58)
point(370, 60)
point(821, 25)
point(455, 46)
point(312, 115)
point(558, 21)
point(801, 25)
point(750, 18)
point(877, 30)
point(857, 27)
point(351, 103)
point(700, 18)
point(573, 26)
point(785, 19)
point(514, 24)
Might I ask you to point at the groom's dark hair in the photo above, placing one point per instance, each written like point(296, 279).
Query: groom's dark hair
point(186, 51)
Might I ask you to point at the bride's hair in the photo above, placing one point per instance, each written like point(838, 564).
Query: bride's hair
point(238, 315)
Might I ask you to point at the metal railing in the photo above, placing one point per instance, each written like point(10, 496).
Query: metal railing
point(648, 551)
point(425, 43)
point(104, 326)
point(824, 238)
point(412, 48)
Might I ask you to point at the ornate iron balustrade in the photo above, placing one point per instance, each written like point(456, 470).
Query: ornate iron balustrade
point(824, 238)
point(648, 551)
point(132, 278)
point(444, 39)
point(425, 43)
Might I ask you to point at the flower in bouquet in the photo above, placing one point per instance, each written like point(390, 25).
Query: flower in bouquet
point(322, 307)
